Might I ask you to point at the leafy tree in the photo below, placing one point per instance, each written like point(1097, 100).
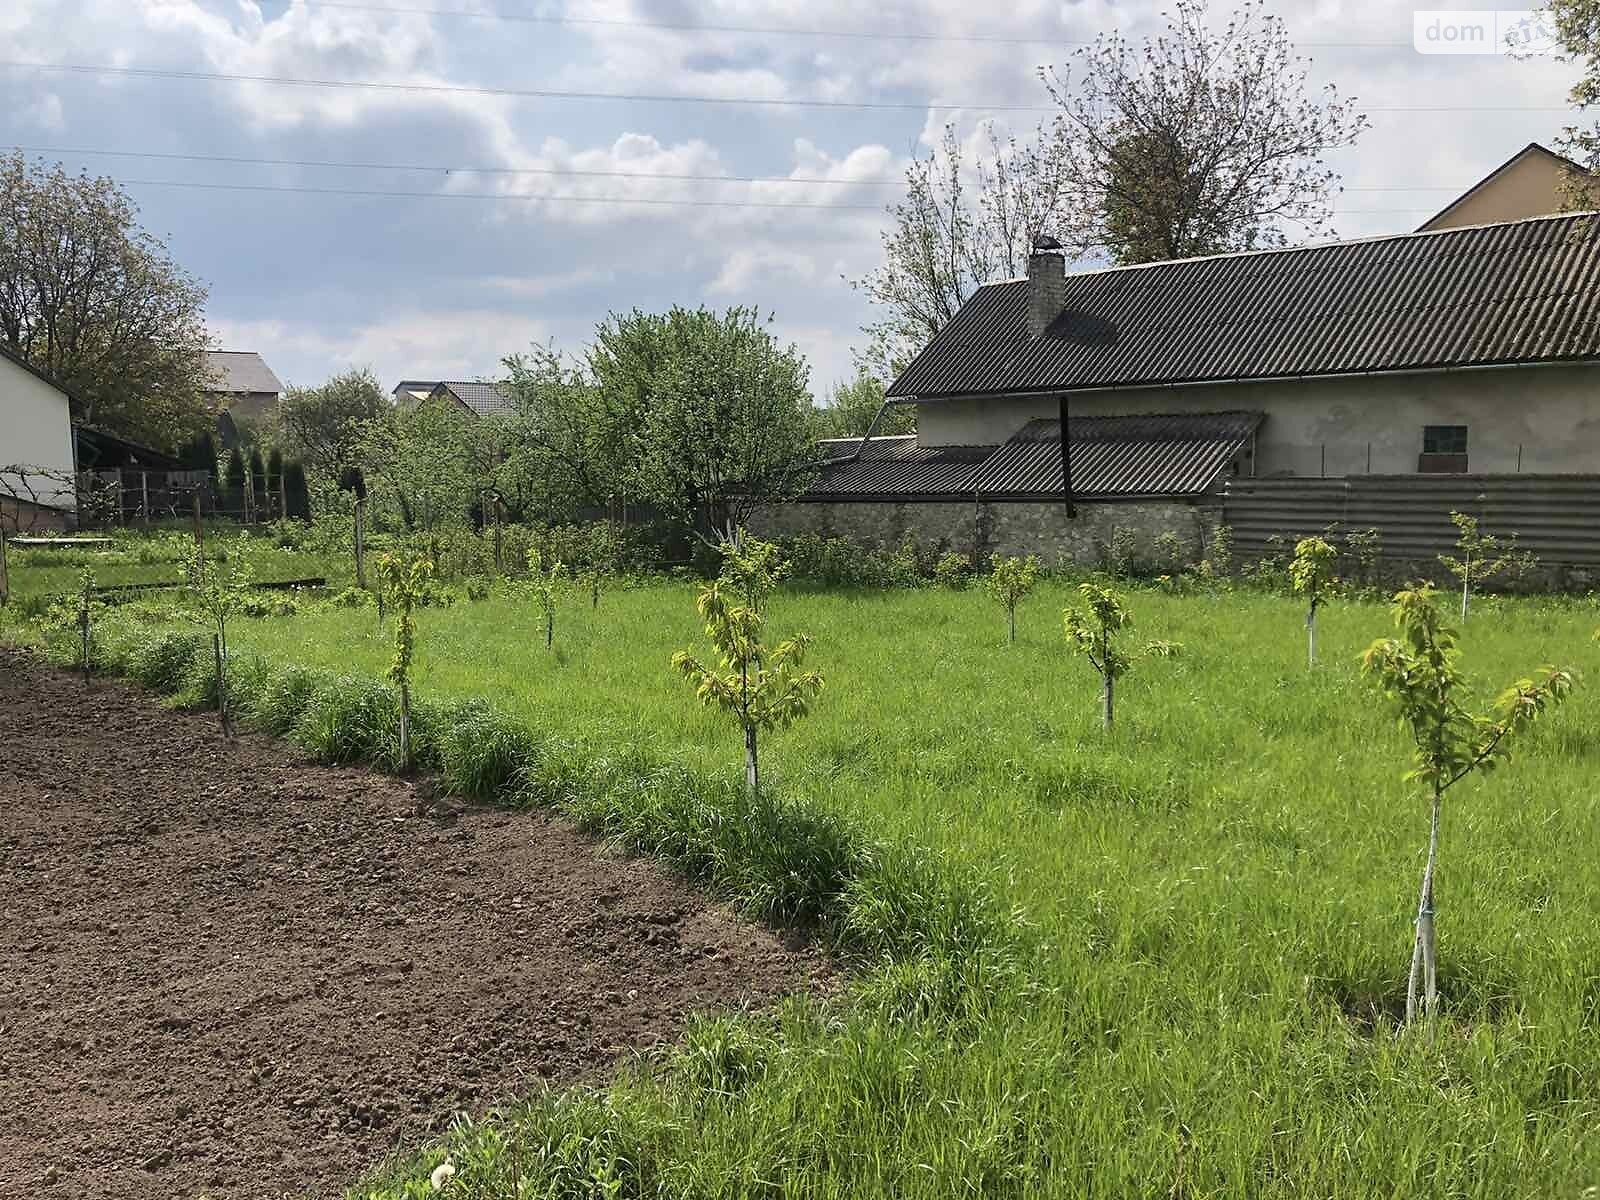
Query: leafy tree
point(431, 463)
point(1482, 556)
point(93, 300)
point(200, 453)
point(724, 421)
point(1009, 582)
point(853, 406)
point(967, 220)
point(404, 584)
point(1196, 142)
point(761, 687)
point(296, 495)
point(1094, 629)
point(573, 442)
point(322, 425)
point(218, 589)
point(543, 579)
point(233, 483)
point(1419, 673)
point(1577, 28)
point(1311, 575)
point(275, 480)
point(259, 495)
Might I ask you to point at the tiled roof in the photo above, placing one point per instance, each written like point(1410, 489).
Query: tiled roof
point(239, 372)
point(1522, 292)
point(484, 399)
point(1157, 455)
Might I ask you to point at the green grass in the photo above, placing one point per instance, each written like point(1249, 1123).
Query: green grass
point(1214, 899)
point(151, 557)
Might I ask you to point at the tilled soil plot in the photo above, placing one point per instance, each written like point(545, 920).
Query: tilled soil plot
point(225, 971)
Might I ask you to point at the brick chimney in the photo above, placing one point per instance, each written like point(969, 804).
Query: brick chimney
point(1047, 284)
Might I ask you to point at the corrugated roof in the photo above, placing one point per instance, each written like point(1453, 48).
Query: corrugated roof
point(890, 467)
point(239, 372)
point(1156, 455)
point(1522, 292)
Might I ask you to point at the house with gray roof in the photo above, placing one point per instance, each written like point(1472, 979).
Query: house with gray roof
point(1058, 406)
point(241, 384)
point(481, 399)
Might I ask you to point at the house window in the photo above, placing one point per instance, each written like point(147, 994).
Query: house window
point(1444, 439)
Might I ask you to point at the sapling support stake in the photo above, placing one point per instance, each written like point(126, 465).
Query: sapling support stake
point(222, 684)
point(5, 571)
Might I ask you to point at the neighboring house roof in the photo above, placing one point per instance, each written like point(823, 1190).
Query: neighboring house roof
point(240, 372)
point(1516, 293)
point(1525, 159)
point(98, 449)
point(888, 467)
point(484, 399)
point(1157, 455)
point(37, 373)
point(1178, 455)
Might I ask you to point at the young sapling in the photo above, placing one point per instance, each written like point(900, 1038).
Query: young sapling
point(404, 583)
point(1419, 674)
point(1481, 557)
point(1009, 582)
point(542, 581)
point(1094, 629)
point(1311, 575)
point(761, 687)
point(219, 589)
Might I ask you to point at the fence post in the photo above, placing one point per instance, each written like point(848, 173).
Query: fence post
point(144, 495)
point(361, 542)
point(5, 573)
point(222, 685)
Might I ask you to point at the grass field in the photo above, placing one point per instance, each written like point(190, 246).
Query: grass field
point(1216, 899)
point(1222, 889)
point(154, 556)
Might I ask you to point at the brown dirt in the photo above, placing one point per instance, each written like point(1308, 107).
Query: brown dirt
point(226, 971)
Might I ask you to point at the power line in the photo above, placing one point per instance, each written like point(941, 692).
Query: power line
point(515, 93)
point(458, 170)
point(760, 30)
point(562, 94)
point(511, 196)
point(559, 172)
point(565, 199)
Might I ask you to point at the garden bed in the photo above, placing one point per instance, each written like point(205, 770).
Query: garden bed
point(247, 975)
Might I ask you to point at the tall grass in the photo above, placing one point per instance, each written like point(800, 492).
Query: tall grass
point(1159, 960)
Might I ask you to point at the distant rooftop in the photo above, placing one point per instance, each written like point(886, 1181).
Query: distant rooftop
point(240, 372)
point(484, 399)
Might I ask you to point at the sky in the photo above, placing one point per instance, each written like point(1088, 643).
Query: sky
point(470, 237)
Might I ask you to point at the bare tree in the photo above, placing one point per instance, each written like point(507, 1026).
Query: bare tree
point(963, 223)
point(94, 300)
point(1196, 142)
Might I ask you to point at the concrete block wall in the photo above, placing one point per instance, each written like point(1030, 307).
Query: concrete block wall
point(980, 528)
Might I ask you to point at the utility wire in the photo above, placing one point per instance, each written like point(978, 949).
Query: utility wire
point(480, 14)
point(564, 199)
point(559, 172)
point(562, 94)
point(514, 196)
point(457, 170)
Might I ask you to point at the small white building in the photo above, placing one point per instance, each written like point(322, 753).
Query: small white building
point(38, 464)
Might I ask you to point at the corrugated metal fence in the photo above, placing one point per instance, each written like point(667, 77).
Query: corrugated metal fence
point(1557, 517)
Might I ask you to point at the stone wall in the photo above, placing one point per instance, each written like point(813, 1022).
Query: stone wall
point(982, 527)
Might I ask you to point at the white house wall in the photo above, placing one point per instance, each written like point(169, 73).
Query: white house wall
point(35, 432)
point(1329, 425)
